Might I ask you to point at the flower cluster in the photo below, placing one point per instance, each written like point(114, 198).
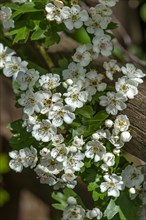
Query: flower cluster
point(54, 106)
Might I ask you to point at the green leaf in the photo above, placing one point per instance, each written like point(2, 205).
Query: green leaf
point(111, 210)
point(58, 196)
point(38, 34)
point(59, 206)
point(86, 111)
point(69, 192)
point(51, 39)
point(92, 186)
point(4, 163)
point(127, 206)
point(21, 138)
point(4, 197)
point(22, 34)
point(81, 36)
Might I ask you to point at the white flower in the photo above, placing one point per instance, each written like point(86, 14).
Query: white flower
point(5, 17)
point(59, 113)
point(16, 162)
point(75, 97)
point(132, 176)
point(44, 152)
point(127, 87)
point(57, 139)
point(30, 102)
point(78, 142)
point(74, 72)
point(82, 55)
point(53, 13)
point(73, 212)
point(49, 81)
point(109, 3)
point(68, 176)
point(102, 43)
point(111, 68)
point(45, 177)
point(121, 123)
point(97, 23)
point(101, 10)
point(47, 99)
point(109, 159)
point(59, 152)
point(76, 17)
point(125, 136)
point(132, 73)
point(43, 131)
point(27, 79)
point(113, 185)
point(100, 134)
point(93, 82)
point(74, 161)
point(51, 165)
point(94, 213)
point(28, 156)
point(95, 150)
point(13, 66)
point(4, 53)
point(113, 102)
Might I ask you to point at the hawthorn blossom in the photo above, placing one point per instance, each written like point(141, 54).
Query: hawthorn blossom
point(43, 131)
point(132, 73)
point(30, 102)
point(4, 53)
point(109, 3)
point(74, 161)
point(132, 176)
point(113, 185)
point(125, 136)
point(69, 178)
point(97, 23)
point(95, 150)
point(5, 17)
point(28, 156)
point(59, 152)
point(82, 55)
point(75, 97)
point(93, 82)
point(113, 102)
point(94, 213)
point(16, 162)
point(47, 99)
point(109, 159)
point(127, 87)
point(49, 81)
point(102, 43)
point(75, 72)
point(111, 68)
point(59, 113)
point(53, 13)
point(76, 17)
point(51, 165)
point(13, 66)
point(121, 123)
point(44, 176)
point(27, 79)
point(101, 10)
point(73, 212)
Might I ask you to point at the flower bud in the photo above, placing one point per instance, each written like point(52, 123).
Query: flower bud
point(71, 200)
point(108, 123)
point(69, 82)
point(132, 190)
point(125, 136)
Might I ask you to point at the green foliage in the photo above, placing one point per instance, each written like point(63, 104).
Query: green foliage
point(4, 160)
point(4, 197)
point(21, 138)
